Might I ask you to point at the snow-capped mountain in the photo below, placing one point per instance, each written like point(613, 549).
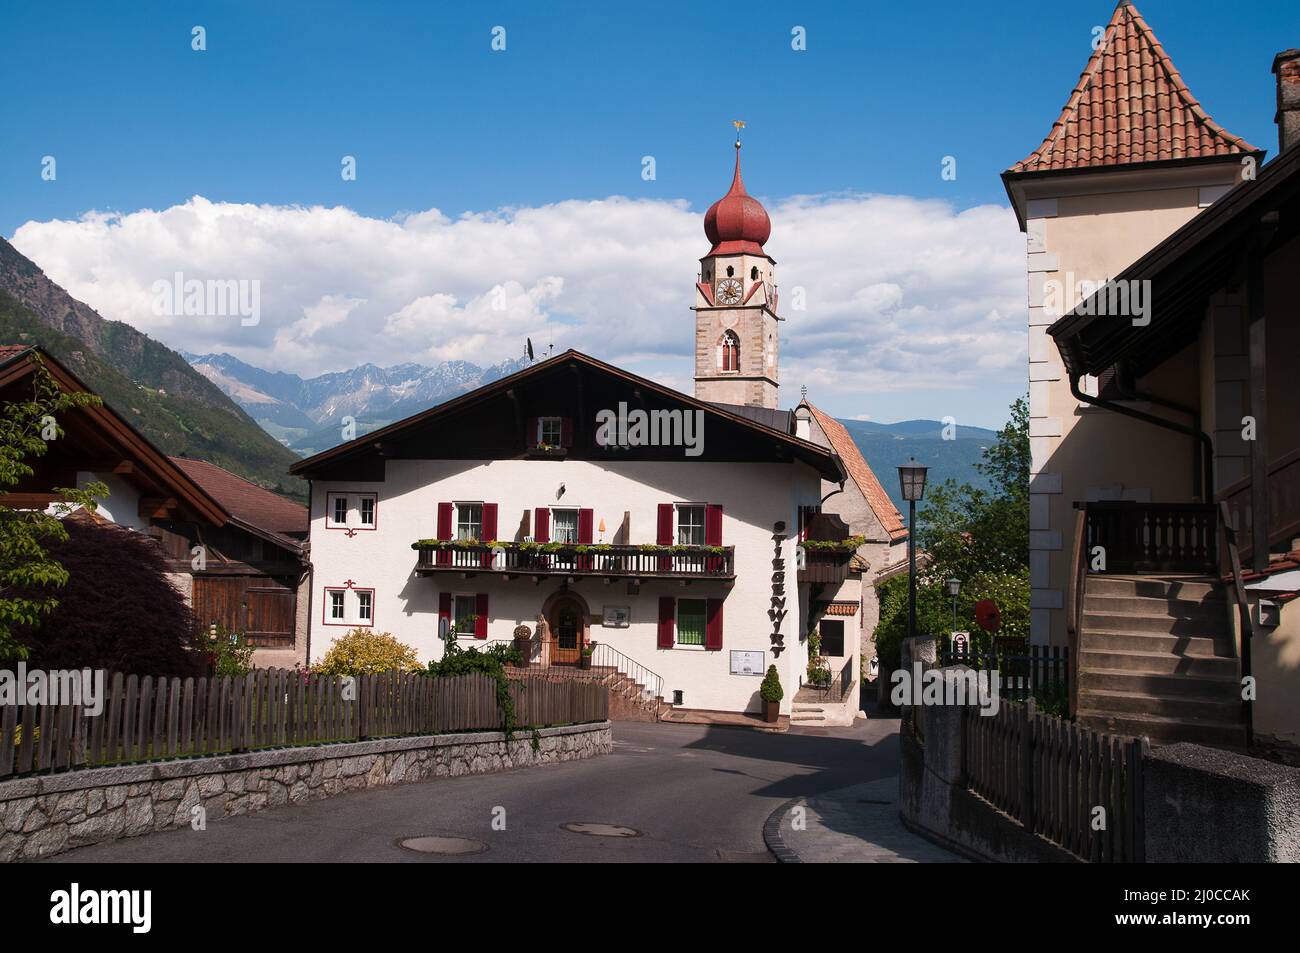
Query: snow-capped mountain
point(304, 413)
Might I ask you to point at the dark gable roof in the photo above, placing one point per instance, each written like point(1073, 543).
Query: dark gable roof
point(547, 380)
point(115, 432)
point(1185, 270)
point(772, 417)
point(248, 503)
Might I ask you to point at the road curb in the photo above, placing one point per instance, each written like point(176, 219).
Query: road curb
point(772, 833)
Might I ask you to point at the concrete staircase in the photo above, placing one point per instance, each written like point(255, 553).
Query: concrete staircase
point(628, 699)
point(812, 708)
point(1157, 658)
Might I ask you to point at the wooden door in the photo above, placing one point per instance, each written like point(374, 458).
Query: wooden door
point(567, 630)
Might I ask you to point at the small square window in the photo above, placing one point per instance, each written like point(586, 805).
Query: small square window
point(364, 606)
point(341, 510)
point(690, 525)
point(367, 508)
point(336, 605)
point(550, 431)
point(469, 521)
point(464, 614)
point(690, 621)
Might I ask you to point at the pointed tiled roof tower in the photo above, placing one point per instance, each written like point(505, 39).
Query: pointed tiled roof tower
point(1130, 107)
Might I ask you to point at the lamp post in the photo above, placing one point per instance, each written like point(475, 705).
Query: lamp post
point(912, 478)
point(953, 586)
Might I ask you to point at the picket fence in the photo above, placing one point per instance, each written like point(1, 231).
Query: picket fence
point(146, 718)
point(1051, 775)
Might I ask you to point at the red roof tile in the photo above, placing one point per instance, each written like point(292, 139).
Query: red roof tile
point(1130, 106)
point(890, 519)
point(247, 502)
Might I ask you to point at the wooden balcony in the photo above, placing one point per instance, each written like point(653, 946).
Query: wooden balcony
point(563, 559)
point(1153, 537)
point(1283, 505)
point(828, 550)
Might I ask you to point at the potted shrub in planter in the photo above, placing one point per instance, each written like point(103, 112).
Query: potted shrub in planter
point(771, 693)
point(588, 650)
point(523, 645)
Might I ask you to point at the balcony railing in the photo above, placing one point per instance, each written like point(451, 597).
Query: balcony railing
point(574, 559)
point(1152, 537)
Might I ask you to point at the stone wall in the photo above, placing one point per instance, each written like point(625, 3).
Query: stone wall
point(46, 815)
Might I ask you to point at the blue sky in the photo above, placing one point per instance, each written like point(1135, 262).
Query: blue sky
point(436, 119)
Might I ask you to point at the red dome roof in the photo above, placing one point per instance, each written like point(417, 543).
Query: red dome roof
point(737, 223)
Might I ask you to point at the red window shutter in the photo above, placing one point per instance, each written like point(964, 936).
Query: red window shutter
point(665, 535)
point(444, 611)
point(489, 531)
point(713, 534)
point(566, 431)
point(584, 526)
point(667, 621)
point(713, 626)
point(481, 610)
point(444, 532)
point(713, 525)
point(530, 435)
point(542, 524)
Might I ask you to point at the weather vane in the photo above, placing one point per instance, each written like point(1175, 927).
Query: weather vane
point(739, 124)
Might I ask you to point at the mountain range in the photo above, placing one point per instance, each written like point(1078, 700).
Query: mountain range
point(888, 446)
point(178, 409)
point(306, 413)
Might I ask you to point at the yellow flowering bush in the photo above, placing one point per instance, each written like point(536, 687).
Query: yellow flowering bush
point(363, 652)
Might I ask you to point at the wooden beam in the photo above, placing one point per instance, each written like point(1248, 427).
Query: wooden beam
point(156, 507)
point(29, 501)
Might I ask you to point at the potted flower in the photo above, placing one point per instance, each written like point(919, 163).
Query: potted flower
point(771, 693)
point(523, 645)
point(587, 651)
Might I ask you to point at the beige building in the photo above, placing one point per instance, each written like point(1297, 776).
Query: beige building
point(1152, 266)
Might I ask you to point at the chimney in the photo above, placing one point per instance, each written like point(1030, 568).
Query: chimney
point(1287, 67)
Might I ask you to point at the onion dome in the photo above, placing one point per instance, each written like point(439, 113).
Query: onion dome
point(737, 223)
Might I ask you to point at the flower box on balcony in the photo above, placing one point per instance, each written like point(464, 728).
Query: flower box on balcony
point(544, 451)
point(575, 559)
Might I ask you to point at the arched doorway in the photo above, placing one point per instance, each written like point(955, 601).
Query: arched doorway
point(567, 618)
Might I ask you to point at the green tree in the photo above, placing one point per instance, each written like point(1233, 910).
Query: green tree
point(979, 536)
point(27, 572)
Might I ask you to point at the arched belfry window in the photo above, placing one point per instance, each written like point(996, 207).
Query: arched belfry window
point(729, 352)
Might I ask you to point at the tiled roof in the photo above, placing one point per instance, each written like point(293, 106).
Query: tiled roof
point(890, 519)
point(248, 502)
point(1130, 106)
point(1277, 563)
point(10, 351)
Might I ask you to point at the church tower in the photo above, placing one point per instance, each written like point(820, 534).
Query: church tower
point(737, 342)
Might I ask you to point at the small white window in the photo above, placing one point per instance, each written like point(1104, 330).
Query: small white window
point(336, 605)
point(464, 614)
point(367, 508)
point(341, 510)
point(564, 526)
point(469, 521)
point(690, 525)
point(364, 606)
point(550, 431)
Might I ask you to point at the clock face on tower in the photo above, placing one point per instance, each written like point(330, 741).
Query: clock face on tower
point(729, 291)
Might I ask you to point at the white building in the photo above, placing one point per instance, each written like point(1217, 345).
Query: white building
point(594, 506)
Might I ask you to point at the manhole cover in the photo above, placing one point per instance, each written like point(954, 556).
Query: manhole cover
point(599, 830)
point(442, 844)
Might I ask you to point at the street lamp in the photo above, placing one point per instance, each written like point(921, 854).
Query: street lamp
point(953, 586)
point(912, 478)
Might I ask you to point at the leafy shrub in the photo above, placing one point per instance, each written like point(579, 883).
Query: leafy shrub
point(1053, 699)
point(229, 652)
point(363, 652)
point(117, 611)
point(492, 663)
point(770, 690)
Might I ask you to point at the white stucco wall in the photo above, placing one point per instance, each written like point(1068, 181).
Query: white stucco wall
point(753, 497)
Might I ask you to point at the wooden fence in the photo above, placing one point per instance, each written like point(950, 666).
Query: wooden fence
point(146, 718)
point(1051, 775)
point(1023, 669)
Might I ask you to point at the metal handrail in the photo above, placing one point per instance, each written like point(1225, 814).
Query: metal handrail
point(603, 656)
point(1243, 610)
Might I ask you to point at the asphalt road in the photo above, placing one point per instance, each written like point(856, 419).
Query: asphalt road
point(691, 793)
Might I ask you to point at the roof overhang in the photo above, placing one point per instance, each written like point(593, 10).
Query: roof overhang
point(1208, 253)
point(133, 445)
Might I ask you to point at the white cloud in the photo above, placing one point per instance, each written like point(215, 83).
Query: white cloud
point(909, 303)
